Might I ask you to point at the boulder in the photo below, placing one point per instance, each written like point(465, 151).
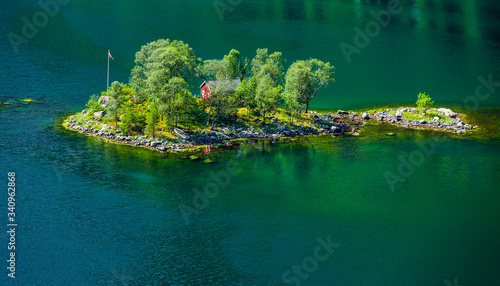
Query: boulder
point(422, 121)
point(342, 112)
point(435, 119)
point(365, 116)
point(103, 100)
point(399, 115)
point(447, 112)
point(98, 115)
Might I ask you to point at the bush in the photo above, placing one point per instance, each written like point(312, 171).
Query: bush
point(424, 101)
point(93, 104)
point(133, 121)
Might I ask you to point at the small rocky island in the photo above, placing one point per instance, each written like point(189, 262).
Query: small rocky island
point(340, 123)
point(238, 99)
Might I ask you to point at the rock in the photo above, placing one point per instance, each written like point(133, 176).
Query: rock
point(365, 116)
point(399, 114)
point(84, 111)
point(422, 121)
point(435, 119)
point(447, 112)
point(98, 115)
point(342, 112)
point(155, 143)
point(103, 100)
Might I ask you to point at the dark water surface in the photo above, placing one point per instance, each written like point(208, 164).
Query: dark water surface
point(91, 213)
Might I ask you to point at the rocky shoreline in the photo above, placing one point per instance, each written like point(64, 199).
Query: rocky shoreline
point(333, 124)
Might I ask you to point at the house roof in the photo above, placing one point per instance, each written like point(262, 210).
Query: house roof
point(232, 84)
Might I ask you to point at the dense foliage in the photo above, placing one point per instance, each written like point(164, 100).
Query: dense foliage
point(159, 94)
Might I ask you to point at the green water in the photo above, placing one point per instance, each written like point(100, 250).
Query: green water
point(92, 213)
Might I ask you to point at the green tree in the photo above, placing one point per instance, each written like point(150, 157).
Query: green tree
point(222, 101)
point(235, 67)
point(121, 92)
point(152, 119)
point(145, 63)
point(132, 120)
point(424, 101)
point(163, 72)
point(305, 78)
point(262, 90)
point(292, 104)
point(246, 93)
point(112, 108)
point(267, 95)
point(265, 64)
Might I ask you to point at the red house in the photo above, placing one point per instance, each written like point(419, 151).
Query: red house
point(208, 86)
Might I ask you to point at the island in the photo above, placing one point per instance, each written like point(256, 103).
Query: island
point(239, 99)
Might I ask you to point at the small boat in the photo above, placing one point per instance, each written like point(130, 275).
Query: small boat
point(181, 134)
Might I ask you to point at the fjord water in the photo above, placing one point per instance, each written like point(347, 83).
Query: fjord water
point(91, 213)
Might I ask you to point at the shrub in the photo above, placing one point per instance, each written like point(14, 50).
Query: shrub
point(133, 121)
point(93, 104)
point(424, 101)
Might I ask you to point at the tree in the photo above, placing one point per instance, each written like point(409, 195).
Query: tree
point(235, 67)
point(132, 120)
point(246, 93)
point(145, 63)
point(267, 95)
point(264, 85)
point(121, 92)
point(163, 72)
point(305, 78)
point(152, 118)
point(292, 104)
point(222, 100)
point(113, 107)
point(424, 101)
point(272, 65)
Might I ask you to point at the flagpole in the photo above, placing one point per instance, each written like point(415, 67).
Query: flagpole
point(107, 83)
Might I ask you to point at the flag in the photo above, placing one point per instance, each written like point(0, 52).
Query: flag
point(109, 53)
